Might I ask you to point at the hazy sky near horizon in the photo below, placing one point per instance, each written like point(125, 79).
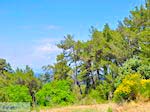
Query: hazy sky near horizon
point(29, 29)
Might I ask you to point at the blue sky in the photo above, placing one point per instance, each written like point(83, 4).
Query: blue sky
point(29, 29)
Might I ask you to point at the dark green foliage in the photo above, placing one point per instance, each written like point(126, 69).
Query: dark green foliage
point(55, 93)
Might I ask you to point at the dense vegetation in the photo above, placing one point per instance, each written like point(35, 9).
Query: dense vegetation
point(114, 65)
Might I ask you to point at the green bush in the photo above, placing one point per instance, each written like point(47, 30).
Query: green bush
point(145, 89)
point(128, 89)
point(104, 89)
point(98, 95)
point(55, 93)
point(135, 65)
point(15, 93)
point(95, 97)
point(101, 92)
point(76, 91)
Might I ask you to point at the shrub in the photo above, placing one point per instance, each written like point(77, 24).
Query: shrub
point(76, 91)
point(102, 91)
point(95, 96)
point(128, 89)
point(145, 89)
point(55, 93)
point(98, 95)
point(135, 65)
point(16, 93)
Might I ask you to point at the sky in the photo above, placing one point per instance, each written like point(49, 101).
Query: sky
point(30, 29)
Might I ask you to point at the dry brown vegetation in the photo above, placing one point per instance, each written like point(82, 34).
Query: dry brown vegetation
point(110, 107)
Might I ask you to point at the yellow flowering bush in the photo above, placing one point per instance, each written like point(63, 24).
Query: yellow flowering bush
point(128, 89)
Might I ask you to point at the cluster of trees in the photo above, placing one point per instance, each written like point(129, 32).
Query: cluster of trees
point(99, 68)
point(19, 85)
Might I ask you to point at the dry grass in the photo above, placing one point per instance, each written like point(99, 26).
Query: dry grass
point(127, 107)
point(134, 107)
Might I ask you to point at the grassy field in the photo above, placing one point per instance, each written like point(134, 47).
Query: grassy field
point(109, 107)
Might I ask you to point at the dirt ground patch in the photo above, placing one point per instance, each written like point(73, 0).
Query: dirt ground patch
point(110, 107)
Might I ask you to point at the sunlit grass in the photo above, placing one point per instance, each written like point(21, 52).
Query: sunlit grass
point(108, 107)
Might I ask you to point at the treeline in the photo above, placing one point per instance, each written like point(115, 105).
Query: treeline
point(112, 65)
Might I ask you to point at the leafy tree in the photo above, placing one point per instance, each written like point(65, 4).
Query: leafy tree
point(26, 77)
point(60, 69)
point(15, 93)
point(23, 78)
point(4, 67)
point(71, 50)
point(139, 18)
point(55, 93)
point(46, 77)
point(134, 65)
